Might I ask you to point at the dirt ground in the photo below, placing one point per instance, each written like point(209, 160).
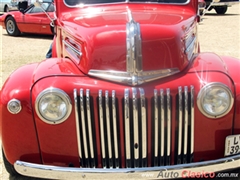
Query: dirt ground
point(217, 33)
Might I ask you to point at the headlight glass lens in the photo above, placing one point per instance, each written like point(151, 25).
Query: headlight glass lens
point(215, 100)
point(53, 106)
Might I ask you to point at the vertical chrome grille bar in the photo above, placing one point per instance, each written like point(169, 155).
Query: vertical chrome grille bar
point(156, 138)
point(90, 126)
point(192, 119)
point(180, 111)
point(185, 122)
point(77, 125)
point(83, 124)
point(115, 135)
point(108, 129)
point(168, 125)
point(144, 126)
point(101, 119)
point(135, 125)
point(127, 128)
point(162, 124)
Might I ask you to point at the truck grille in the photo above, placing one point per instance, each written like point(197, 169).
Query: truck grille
point(133, 130)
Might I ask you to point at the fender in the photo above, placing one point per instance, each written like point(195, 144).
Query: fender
point(14, 88)
point(56, 66)
point(18, 131)
point(233, 66)
point(208, 62)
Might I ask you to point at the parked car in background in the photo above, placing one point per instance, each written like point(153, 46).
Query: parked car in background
point(8, 5)
point(126, 94)
point(202, 6)
point(31, 20)
point(220, 6)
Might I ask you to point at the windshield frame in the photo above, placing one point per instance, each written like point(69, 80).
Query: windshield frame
point(42, 9)
point(127, 1)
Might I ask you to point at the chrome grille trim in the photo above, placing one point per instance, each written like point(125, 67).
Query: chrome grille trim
point(132, 127)
point(101, 122)
point(155, 125)
point(185, 129)
point(83, 123)
point(144, 126)
point(168, 126)
point(180, 110)
point(192, 119)
point(162, 122)
point(89, 126)
point(185, 123)
point(77, 124)
point(114, 116)
point(135, 124)
point(108, 130)
point(127, 128)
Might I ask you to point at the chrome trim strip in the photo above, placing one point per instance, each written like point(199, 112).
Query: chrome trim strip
point(134, 46)
point(115, 134)
point(185, 120)
point(135, 125)
point(89, 123)
point(156, 138)
point(56, 172)
point(77, 123)
point(101, 119)
point(180, 112)
point(190, 49)
point(83, 124)
point(123, 2)
point(72, 48)
point(108, 129)
point(229, 4)
point(162, 122)
point(127, 77)
point(192, 120)
point(129, 14)
point(127, 126)
point(144, 123)
point(168, 122)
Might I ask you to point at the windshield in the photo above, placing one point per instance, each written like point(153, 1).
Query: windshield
point(79, 2)
point(45, 6)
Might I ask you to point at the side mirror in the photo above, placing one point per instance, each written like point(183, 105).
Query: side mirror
point(22, 6)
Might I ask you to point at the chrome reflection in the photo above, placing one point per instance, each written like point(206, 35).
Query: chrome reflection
point(128, 78)
point(125, 116)
point(127, 128)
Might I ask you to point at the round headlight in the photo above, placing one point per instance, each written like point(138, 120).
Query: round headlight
point(215, 100)
point(53, 106)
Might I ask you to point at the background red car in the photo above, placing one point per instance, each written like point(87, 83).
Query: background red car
point(32, 20)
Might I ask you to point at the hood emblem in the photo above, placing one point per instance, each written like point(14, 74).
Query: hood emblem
point(134, 49)
point(135, 74)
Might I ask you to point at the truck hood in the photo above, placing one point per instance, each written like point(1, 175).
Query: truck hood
point(130, 44)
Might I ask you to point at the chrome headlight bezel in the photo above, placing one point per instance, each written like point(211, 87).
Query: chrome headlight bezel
point(206, 90)
point(57, 93)
point(14, 106)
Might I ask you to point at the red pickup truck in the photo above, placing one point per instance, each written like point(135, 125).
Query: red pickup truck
point(127, 94)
